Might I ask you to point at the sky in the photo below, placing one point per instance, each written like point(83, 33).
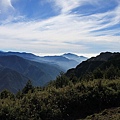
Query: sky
point(45, 27)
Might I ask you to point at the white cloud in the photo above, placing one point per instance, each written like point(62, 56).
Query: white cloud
point(62, 33)
point(5, 5)
point(7, 11)
point(66, 5)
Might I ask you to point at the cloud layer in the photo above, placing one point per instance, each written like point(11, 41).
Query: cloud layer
point(79, 26)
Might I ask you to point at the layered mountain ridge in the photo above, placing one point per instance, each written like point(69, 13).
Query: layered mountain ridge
point(63, 62)
point(17, 68)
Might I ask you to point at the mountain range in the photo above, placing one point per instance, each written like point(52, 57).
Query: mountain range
point(63, 62)
point(89, 91)
point(103, 62)
point(17, 68)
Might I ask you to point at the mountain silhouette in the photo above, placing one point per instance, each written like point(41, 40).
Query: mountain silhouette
point(102, 61)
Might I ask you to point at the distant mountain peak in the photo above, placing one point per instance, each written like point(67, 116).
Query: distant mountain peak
point(74, 57)
point(70, 54)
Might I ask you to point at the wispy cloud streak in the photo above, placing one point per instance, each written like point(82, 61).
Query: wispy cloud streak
point(67, 32)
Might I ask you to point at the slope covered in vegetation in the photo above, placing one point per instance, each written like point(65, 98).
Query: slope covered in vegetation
point(68, 97)
point(56, 102)
point(100, 66)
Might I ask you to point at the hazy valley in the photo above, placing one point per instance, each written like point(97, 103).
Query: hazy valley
point(26, 66)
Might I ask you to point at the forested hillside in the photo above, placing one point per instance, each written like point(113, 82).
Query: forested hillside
point(106, 65)
point(71, 96)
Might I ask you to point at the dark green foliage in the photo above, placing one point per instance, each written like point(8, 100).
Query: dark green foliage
point(88, 76)
point(28, 87)
point(98, 74)
point(112, 73)
point(6, 94)
point(61, 81)
point(70, 102)
point(67, 98)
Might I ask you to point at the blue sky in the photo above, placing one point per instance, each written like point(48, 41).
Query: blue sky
point(45, 27)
